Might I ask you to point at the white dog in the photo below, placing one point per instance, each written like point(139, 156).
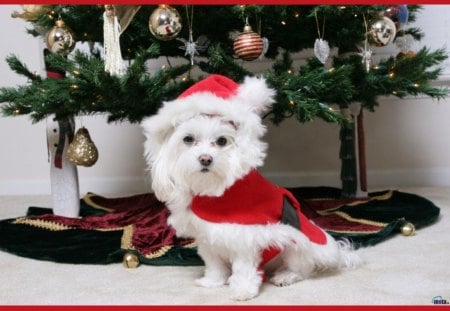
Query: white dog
point(203, 150)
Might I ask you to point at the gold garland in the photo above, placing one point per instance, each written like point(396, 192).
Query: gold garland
point(88, 199)
point(126, 240)
point(160, 252)
point(54, 226)
point(40, 223)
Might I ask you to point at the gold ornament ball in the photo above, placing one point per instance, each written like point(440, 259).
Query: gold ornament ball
point(165, 23)
point(408, 229)
point(248, 45)
point(130, 261)
point(382, 32)
point(31, 12)
point(82, 151)
point(60, 39)
point(408, 54)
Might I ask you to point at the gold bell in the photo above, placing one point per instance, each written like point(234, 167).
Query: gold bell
point(408, 229)
point(130, 261)
point(82, 150)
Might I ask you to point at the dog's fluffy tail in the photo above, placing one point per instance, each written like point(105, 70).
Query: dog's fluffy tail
point(336, 254)
point(347, 254)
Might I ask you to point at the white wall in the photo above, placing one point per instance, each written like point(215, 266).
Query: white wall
point(408, 140)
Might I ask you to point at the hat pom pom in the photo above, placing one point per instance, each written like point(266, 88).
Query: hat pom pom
point(255, 93)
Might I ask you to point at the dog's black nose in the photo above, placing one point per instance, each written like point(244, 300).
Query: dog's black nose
point(205, 159)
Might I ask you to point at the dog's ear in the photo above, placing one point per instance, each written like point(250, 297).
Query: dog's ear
point(162, 184)
point(255, 94)
point(159, 127)
point(157, 131)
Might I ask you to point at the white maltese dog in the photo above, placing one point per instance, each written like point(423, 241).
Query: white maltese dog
point(203, 150)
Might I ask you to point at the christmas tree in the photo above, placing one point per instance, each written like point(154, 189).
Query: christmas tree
point(340, 79)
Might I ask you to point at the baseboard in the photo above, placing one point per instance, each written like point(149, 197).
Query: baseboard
point(302, 179)
point(430, 177)
point(434, 177)
point(103, 186)
point(25, 187)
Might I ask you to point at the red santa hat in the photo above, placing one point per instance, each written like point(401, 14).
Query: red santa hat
point(253, 93)
point(218, 96)
point(218, 85)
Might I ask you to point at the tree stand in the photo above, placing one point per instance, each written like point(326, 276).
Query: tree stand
point(63, 174)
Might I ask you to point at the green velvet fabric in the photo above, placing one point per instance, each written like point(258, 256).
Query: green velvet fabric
point(365, 222)
point(68, 246)
point(392, 209)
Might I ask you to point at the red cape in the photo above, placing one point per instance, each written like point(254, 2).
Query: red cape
point(253, 200)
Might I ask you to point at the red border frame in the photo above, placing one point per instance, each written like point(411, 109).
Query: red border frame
point(223, 307)
point(226, 2)
point(226, 307)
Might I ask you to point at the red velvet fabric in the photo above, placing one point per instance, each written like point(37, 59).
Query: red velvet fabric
point(55, 74)
point(144, 212)
point(326, 213)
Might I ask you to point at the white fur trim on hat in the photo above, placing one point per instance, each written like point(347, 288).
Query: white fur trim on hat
point(255, 93)
point(242, 108)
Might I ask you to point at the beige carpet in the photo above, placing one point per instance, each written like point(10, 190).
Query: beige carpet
point(401, 270)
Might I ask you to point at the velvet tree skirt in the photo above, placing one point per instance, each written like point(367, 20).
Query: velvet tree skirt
point(111, 227)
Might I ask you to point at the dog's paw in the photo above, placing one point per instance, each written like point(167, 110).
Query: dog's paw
point(285, 278)
point(241, 294)
point(209, 282)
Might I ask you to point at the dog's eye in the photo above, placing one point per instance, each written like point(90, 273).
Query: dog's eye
point(221, 141)
point(188, 140)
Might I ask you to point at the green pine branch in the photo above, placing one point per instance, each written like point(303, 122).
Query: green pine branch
point(18, 67)
point(221, 63)
point(88, 89)
point(306, 92)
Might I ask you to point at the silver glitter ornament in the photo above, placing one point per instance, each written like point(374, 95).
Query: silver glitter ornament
point(321, 50)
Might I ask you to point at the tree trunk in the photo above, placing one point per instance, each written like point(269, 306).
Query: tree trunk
point(352, 154)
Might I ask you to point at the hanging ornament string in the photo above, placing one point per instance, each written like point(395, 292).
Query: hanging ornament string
point(366, 52)
point(190, 18)
point(191, 47)
point(321, 36)
point(321, 46)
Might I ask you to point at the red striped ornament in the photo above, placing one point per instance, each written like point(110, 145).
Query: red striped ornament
point(248, 45)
